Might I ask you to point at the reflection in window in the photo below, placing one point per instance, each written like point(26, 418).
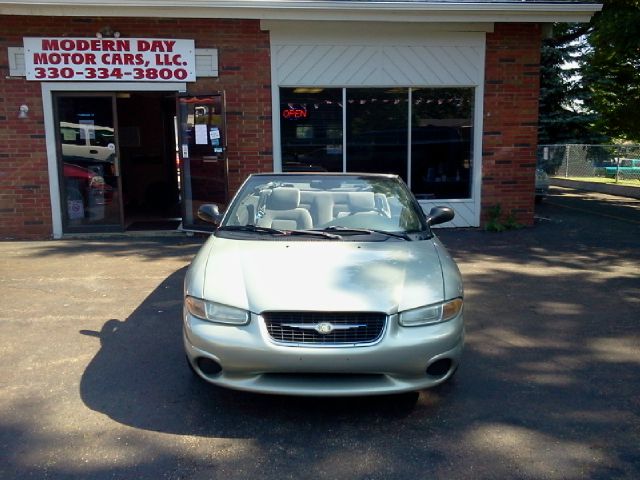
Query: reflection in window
point(101, 136)
point(441, 146)
point(89, 184)
point(311, 126)
point(377, 130)
point(439, 163)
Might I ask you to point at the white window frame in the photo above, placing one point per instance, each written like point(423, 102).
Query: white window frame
point(409, 130)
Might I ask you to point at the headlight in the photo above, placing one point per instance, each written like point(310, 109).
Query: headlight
point(216, 312)
point(440, 312)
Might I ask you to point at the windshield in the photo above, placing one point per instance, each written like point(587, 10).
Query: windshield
point(339, 204)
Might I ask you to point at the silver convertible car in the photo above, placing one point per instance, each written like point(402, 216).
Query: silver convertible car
point(324, 284)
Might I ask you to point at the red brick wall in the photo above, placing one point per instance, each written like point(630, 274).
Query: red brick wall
point(511, 120)
point(510, 108)
point(25, 209)
point(245, 76)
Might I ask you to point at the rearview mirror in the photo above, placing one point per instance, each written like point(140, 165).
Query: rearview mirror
point(210, 213)
point(439, 215)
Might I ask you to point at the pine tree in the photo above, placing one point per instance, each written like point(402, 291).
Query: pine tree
point(563, 117)
point(611, 69)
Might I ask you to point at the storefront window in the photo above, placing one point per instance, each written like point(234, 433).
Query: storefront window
point(311, 126)
point(441, 146)
point(380, 123)
point(376, 127)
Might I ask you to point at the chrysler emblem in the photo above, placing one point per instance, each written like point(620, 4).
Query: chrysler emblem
point(324, 328)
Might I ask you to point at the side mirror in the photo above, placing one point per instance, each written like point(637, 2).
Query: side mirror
point(210, 212)
point(439, 215)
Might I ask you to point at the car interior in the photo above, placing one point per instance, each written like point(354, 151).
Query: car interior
point(291, 208)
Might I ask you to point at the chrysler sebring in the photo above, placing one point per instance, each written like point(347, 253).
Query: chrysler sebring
point(323, 284)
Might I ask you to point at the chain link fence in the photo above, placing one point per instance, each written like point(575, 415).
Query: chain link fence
point(616, 162)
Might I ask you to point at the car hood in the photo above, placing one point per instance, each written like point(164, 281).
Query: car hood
point(260, 276)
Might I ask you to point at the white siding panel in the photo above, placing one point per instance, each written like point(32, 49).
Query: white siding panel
point(465, 212)
point(378, 65)
point(418, 64)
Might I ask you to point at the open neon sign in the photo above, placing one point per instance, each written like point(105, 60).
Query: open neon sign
point(295, 113)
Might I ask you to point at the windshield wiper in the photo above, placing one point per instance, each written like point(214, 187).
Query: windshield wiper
point(365, 231)
point(317, 233)
point(251, 228)
point(275, 231)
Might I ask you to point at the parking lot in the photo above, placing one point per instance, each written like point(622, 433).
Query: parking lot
point(95, 385)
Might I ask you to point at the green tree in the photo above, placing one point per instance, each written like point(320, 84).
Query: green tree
point(611, 69)
point(563, 118)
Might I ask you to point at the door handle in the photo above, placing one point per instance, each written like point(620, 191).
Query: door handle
point(93, 151)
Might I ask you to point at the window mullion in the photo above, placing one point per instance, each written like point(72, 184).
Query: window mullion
point(344, 129)
point(409, 129)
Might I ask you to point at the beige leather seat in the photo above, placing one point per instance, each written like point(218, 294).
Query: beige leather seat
point(282, 211)
point(360, 202)
point(382, 204)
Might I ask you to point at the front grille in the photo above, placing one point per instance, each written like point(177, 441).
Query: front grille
point(299, 327)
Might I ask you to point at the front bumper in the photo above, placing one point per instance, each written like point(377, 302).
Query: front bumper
point(251, 361)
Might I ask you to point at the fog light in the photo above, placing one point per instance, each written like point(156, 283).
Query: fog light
point(439, 367)
point(208, 366)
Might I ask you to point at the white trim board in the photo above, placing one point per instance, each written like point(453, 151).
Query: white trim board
point(358, 10)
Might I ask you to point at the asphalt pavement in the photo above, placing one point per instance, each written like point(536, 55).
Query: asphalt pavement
point(94, 383)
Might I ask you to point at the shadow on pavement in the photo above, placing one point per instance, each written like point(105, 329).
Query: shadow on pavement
point(140, 378)
point(549, 375)
point(548, 387)
point(627, 209)
point(150, 248)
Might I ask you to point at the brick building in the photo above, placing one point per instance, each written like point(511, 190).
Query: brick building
point(117, 116)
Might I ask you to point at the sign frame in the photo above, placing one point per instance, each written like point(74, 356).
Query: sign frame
point(109, 59)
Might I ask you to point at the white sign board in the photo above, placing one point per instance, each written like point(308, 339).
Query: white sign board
point(110, 59)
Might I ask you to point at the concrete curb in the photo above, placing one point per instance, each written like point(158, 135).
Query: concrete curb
point(618, 190)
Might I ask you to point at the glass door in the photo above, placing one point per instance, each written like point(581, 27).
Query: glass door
point(88, 162)
point(203, 158)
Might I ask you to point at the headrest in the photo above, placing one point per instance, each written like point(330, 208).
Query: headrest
point(361, 201)
point(283, 198)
